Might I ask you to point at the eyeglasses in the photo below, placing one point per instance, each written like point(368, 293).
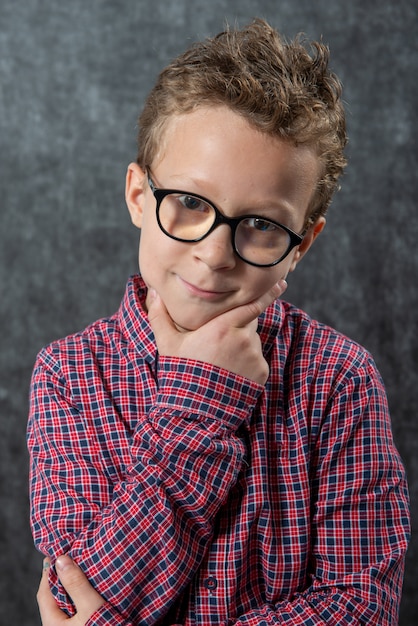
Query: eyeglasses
point(190, 218)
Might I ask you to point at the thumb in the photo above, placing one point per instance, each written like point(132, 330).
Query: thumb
point(76, 584)
point(48, 608)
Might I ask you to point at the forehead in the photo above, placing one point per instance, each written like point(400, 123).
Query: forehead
point(206, 120)
point(216, 153)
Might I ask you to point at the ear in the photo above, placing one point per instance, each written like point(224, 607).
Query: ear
point(134, 192)
point(314, 230)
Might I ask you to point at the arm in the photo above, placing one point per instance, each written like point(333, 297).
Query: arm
point(141, 537)
point(151, 535)
point(360, 516)
point(91, 609)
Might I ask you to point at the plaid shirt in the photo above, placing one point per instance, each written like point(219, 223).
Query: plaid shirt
point(191, 495)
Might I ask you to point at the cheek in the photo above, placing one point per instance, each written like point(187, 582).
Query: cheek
point(272, 275)
point(145, 266)
point(289, 263)
point(156, 257)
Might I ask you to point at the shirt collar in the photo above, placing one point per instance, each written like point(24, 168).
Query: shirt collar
point(270, 325)
point(133, 319)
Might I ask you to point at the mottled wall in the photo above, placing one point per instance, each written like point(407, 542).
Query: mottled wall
point(72, 79)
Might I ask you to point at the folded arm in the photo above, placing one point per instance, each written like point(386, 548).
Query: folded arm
point(140, 536)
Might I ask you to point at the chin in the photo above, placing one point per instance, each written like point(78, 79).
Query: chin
point(185, 324)
point(185, 327)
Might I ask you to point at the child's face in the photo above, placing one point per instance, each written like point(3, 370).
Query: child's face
point(214, 152)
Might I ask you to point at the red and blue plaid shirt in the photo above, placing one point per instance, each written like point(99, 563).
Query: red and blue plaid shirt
point(191, 495)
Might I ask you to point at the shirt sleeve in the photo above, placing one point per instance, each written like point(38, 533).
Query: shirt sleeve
point(360, 514)
point(140, 538)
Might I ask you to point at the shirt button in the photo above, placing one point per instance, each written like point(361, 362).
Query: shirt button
point(211, 583)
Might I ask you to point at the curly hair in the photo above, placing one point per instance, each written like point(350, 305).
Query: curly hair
point(282, 88)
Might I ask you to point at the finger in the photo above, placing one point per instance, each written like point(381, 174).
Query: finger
point(243, 315)
point(160, 320)
point(50, 613)
point(86, 599)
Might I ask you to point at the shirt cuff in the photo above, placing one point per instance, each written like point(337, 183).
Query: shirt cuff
point(191, 386)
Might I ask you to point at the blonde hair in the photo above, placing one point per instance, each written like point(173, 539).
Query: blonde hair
point(282, 88)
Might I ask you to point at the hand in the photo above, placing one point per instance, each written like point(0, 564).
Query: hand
point(85, 598)
point(229, 340)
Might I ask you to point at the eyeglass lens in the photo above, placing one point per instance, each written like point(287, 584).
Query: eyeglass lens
point(189, 218)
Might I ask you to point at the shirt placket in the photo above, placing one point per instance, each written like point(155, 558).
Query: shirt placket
point(211, 588)
point(208, 598)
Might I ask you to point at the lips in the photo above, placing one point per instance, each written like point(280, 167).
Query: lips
point(206, 294)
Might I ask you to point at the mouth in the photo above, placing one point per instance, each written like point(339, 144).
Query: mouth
point(204, 294)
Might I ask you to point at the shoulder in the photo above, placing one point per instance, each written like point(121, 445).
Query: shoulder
point(324, 375)
point(76, 351)
point(307, 330)
point(313, 348)
point(101, 341)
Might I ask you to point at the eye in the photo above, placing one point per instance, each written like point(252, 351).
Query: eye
point(258, 223)
point(193, 204)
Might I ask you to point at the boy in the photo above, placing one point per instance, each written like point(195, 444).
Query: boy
point(210, 454)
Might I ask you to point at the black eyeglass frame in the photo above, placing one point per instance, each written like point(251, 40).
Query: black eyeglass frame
point(233, 222)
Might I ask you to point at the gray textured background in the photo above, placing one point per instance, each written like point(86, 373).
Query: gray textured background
point(72, 79)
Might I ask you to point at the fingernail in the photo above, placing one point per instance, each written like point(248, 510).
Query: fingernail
point(152, 293)
point(62, 563)
point(46, 564)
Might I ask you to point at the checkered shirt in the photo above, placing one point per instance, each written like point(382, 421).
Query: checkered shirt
point(191, 495)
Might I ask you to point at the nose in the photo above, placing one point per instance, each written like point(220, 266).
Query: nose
point(216, 250)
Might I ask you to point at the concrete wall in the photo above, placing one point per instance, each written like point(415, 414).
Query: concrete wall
point(73, 76)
